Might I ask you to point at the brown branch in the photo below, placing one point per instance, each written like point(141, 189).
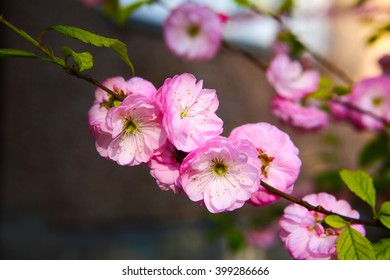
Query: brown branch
point(319, 208)
point(70, 70)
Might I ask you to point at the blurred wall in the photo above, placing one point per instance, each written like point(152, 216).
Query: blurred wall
point(59, 198)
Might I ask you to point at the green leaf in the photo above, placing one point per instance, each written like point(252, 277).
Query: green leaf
point(295, 46)
point(382, 249)
point(127, 11)
point(335, 221)
point(17, 53)
point(84, 60)
point(352, 245)
point(361, 184)
point(384, 214)
point(96, 40)
point(286, 6)
point(341, 90)
point(244, 3)
point(236, 240)
point(376, 150)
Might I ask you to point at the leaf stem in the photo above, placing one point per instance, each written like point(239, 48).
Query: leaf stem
point(319, 208)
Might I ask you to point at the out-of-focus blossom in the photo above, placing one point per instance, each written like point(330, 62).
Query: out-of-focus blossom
point(371, 95)
point(189, 112)
point(289, 79)
point(277, 155)
point(165, 168)
point(299, 116)
point(135, 127)
point(263, 237)
point(303, 232)
point(193, 32)
point(92, 3)
point(221, 174)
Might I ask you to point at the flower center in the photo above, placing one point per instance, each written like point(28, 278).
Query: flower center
point(131, 126)
point(265, 160)
point(219, 168)
point(193, 30)
point(377, 101)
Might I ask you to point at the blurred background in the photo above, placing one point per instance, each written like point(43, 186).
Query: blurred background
point(61, 200)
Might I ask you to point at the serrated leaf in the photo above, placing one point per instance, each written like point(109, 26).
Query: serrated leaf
point(361, 184)
point(376, 150)
point(352, 245)
point(382, 249)
point(96, 40)
point(4, 53)
point(384, 214)
point(84, 60)
point(335, 221)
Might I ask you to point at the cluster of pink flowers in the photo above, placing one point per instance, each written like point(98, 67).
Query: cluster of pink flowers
point(176, 132)
point(293, 85)
point(304, 233)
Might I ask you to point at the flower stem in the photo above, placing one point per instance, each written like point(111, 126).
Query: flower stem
point(319, 208)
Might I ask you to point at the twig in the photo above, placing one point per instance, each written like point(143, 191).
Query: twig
point(319, 208)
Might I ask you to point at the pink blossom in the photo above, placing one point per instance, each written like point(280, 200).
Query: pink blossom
point(297, 115)
point(263, 237)
point(165, 167)
point(221, 174)
point(371, 95)
point(189, 112)
point(277, 155)
point(135, 131)
point(98, 112)
point(303, 232)
point(193, 32)
point(289, 79)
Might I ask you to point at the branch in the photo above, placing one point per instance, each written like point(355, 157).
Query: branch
point(319, 208)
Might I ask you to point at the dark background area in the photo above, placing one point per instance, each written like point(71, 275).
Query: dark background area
point(59, 198)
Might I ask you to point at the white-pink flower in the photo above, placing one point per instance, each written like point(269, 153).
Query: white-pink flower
point(277, 155)
point(303, 232)
point(371, 95)
point(297, 115)
point(221, 174)
point(289, 79)
point(165, 168)
point(136, 131)
point(193, 32)
point(189, 112)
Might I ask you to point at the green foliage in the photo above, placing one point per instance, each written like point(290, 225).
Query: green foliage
point(84, 60)
point(361, 184)
point(378, 34)
point(96, 40)
point(335, 221)
point(382, 249)
point(286, 6)
point(119, 14)
point(294, 44)
point(328, 180)
point(384, 214)
point(244, 3)
point(352, 245)
point(377, 150)
point(17, 53)
point(341, 90)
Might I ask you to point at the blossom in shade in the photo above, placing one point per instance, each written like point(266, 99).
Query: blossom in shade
point(189, 112)
point(221, 174)
point(165, 167)
point(277, 155)
point(193, 32)
point(303, 232)
point(373, 96)
point(289, 79)
point(297, 115)
point(136, 131)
